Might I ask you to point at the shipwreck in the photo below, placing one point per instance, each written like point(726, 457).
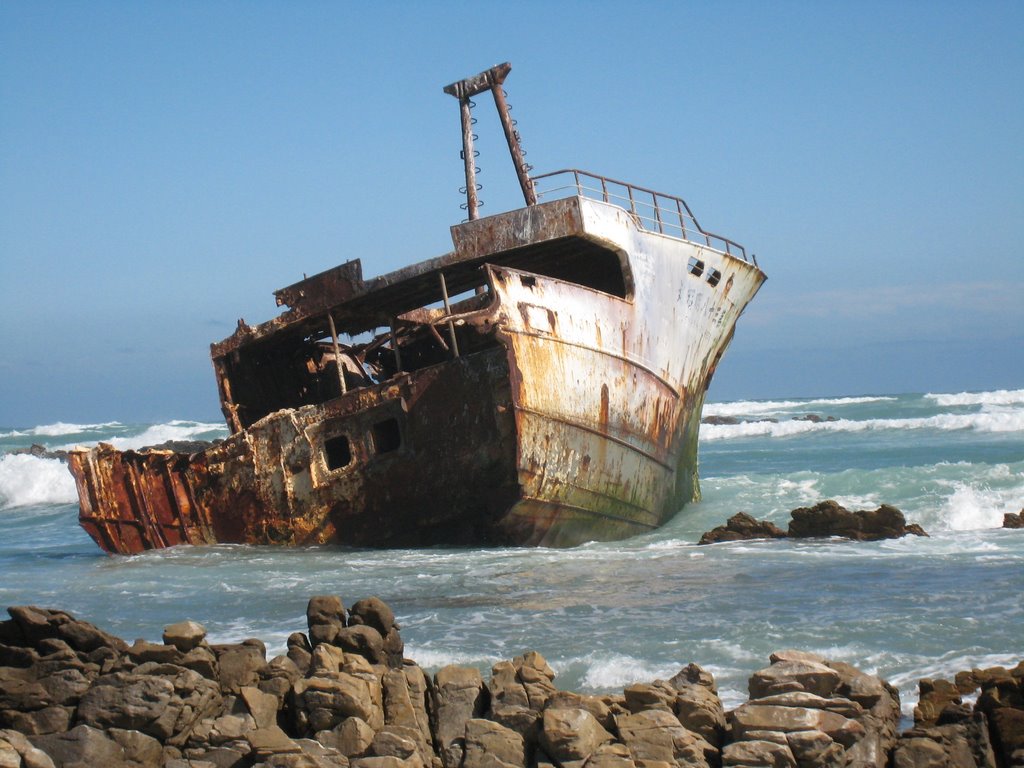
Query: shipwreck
point(541, 384)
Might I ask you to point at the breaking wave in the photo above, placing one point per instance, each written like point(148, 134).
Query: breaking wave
point(60, 429)
point(991, 422)
point(757, 407)
point(26, 480)
point(172, 430)
point(998, 397)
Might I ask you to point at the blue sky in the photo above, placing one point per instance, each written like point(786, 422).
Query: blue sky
point(165, 167)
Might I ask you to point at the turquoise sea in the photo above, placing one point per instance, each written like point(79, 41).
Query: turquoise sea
point(605, 615)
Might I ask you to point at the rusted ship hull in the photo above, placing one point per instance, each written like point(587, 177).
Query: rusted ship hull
point(570, 414)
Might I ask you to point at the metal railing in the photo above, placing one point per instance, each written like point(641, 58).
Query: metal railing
point(653, 211)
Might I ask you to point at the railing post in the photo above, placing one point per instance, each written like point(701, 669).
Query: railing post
point(657, 212)
point(337, 353)
point(448, 311)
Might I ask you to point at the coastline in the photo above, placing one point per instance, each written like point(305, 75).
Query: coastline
point(345, 695)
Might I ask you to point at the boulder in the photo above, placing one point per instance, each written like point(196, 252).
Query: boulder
point(239, 666)
point(828, 518)
point(459, 696)
point(754, 716)
point(644, 696)
point(758, 754)
point(82, 746)
point(697, 705)
point(1013, 519)
point(571, 735)
point(490, 745)
point(325, 615)
point(741, 527)
point(957, 744)
point(353, 737)
point(656, 735)
point(362, 640)
point(405, 703)
point(321, 703)
point(165, 702)
point(185, 635)
point(782, 676)
point(21, 753)
point(814, 749)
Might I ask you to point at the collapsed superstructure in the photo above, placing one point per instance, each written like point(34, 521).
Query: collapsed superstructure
point(541, 384)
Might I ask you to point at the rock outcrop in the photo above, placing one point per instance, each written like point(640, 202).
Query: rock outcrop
point(73, 696)
point(823, 520)
point(828, 518)
point(1013, 520)
point(742, 527)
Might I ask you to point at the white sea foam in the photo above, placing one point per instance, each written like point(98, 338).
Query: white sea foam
point(970, 506)
point(761, 407)
point(161, 433)
point(26, 480)
point(612, 671)
point(996, 397)
point(1009, 420)
point(59, 429)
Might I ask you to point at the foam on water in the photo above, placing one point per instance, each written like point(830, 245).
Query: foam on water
point(997, 397)
point(161, 433)
point(60, 428)
point(26, 480)
point(763, 407)
point(1010, 420)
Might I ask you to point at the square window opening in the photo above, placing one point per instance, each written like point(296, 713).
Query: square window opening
point(338, 452)
point(714, 276)
point(696, 266)
point(387, 436)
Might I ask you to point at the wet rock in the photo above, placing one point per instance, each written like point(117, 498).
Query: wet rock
point(830, 519)
point(1013, 520)
point(742, 526)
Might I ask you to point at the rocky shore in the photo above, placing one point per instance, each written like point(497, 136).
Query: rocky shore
point(74, 696)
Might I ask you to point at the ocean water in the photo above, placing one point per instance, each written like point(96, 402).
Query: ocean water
point(608, 614)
